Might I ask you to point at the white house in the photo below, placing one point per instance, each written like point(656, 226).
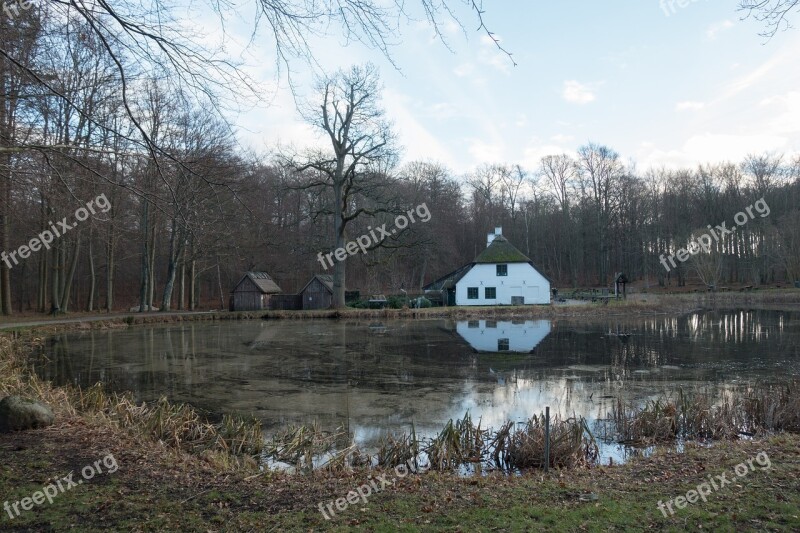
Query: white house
point(500, 275)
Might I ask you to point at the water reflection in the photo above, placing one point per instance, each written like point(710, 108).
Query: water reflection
point(520, 336)
point(371, 377)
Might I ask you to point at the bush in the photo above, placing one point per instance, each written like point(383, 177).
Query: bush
point(423, 303)
point(395, 302)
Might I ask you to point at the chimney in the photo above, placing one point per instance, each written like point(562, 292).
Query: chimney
point(490, 236)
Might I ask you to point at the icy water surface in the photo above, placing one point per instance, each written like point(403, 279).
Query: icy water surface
point(371, 377)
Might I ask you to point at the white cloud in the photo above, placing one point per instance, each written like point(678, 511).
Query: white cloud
point(689, 106)
point(536, 150)
point(561, 138)
point(486, 152)
point(731, 147)
point(711, 148)
point(465, 69)
point(785, 116)
point(418, 142)
point(752, 78)
point(577, 93)
point(718, 27)
point(443, 110)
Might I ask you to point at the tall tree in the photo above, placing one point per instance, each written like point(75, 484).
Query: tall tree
point(351, 118)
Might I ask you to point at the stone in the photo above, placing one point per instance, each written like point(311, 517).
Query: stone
point(18, 414)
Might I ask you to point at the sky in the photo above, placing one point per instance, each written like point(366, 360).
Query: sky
point(663, 85)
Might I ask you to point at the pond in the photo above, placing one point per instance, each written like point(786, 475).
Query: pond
point(372, 377)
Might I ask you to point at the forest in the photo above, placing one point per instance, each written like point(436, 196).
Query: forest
point(88, 112)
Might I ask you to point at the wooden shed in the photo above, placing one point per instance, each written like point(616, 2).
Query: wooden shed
point(318, 293)
point(252, 293)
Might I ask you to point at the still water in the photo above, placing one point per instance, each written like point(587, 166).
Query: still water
point(372, 377)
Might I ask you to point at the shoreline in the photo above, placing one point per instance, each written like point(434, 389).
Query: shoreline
point(639, 305)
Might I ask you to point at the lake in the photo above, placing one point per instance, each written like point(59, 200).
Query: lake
point(371, 377)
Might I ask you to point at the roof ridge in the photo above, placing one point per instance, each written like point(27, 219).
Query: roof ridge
point(500, 250)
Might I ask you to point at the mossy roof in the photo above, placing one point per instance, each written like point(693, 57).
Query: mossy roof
point(501, 251)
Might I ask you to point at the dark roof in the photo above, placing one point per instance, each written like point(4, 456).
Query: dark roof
point(448, 281)
point(501, 251)
point(262, 281)
point(325, 279)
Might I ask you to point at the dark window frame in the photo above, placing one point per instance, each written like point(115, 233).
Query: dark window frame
point(502, 270)
point(486, 293)
point(472, 291)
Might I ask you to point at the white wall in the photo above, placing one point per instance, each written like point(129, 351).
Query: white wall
point(522, 337)
point(522, 280)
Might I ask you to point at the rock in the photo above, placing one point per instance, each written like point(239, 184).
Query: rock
point(18, 413)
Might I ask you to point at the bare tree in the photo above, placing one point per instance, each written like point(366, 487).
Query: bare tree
point(361, 139)
point(600, 170)
point(774, 14)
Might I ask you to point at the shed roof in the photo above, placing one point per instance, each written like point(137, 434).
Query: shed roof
point(325, 279)
point(262, 280)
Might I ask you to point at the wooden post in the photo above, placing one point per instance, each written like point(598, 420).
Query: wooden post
point(546, 438)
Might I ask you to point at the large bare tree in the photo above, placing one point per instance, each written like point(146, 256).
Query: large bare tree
point(349, 115)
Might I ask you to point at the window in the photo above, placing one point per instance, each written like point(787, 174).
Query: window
point(491, 293)
point(491, 324)
point(503, 345)
point(502, 270)
point(474, 324)
point(472, 293)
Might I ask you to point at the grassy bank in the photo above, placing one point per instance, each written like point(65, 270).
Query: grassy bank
point(160, 489)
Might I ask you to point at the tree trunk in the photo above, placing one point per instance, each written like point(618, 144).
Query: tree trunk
point(110, 269)
point(219, 284)
point(145, 263)
point(6, 129)
point(151, 288)
point(90, 303)
point(5, 228)
point(176, 246)
point(339, 270)
point(41, 300)
point(70, 275)
point(54, 283)
point(182, 285)
point(192, 283)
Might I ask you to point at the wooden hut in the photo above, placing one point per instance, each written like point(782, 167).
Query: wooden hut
point(252, 293)
point(318, 293)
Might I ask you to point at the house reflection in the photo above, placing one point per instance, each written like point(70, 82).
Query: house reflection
point(520, 336)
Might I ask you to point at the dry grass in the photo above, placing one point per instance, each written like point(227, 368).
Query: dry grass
point(398, 449)
point(233, 442)
point(301, 445)
point(757, 410)
point(571, 444)
point(773, 407)
point(459, 443)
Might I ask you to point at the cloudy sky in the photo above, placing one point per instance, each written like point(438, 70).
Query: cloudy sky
point(662, 86)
